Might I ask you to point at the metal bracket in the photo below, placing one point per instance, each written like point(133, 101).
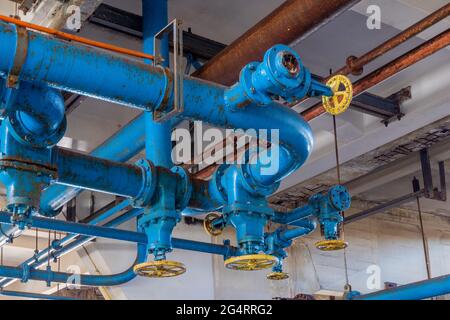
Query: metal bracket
point(12, 80)
point(430, 191)
point(174, 28)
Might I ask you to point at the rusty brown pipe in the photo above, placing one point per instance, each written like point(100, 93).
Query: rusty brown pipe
point(292, 20)
point(355, 65)
point(408, 59)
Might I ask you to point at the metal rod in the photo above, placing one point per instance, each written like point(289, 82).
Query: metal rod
point(357, 63)
point(383, 207)
point(408, 59)
point(30, 295)
point(424, 241)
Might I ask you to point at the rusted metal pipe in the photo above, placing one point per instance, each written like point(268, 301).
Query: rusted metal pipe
point(355, 65)
point(421, 52)
point(294, 19)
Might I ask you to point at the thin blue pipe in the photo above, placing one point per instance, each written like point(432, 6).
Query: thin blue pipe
point(304, 227)
point(415, 291)
point(30, 295)
point(81, 229)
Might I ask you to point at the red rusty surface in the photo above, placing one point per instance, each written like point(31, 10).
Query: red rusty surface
point(292, 20)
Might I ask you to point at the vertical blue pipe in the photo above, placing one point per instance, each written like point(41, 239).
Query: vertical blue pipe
point(158, 135)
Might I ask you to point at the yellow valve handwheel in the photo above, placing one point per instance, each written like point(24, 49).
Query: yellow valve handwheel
point(343, 95)
point(159, 269)
point(251, 262)
point(331, 245)
point(209, 228)
point(277, 276)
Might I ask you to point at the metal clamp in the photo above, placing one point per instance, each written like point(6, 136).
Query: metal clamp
point(12, 80)
point(174, 28)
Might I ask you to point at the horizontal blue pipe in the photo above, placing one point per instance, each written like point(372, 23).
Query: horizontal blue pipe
point(88, 280)
point(41, 258)
point(293, 216)
point(30, 295)
point(42, 255)
point(82, 229)
point(304, 227)
point(121, 147)
point(415, 291)
point(97, 174)
point(204, 247)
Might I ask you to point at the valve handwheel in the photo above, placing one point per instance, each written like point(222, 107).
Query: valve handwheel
point(251, 262)
point(159, 269)
point(277, 276)
point(343, 95)
point(331, 245)
point(209, 227)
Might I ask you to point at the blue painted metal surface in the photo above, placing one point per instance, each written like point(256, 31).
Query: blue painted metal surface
point(328, 208)
point(415, 291)
point(159, 221)
point(49, 276)
point(76, 169)
point(121, 147)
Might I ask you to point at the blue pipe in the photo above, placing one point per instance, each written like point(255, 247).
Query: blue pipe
point(158, 147)
point(30, 295)
point(42, 256)
point(63, 246)
point(76, 169)
point(121, 147)
point(304, 227)
point(292, 216)
point(88, 280)
point(82, 229)
point(415, 291)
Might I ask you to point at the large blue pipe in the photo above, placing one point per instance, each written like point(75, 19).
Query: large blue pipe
point(97, 174)
point(81, 229)
point(415, 291)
